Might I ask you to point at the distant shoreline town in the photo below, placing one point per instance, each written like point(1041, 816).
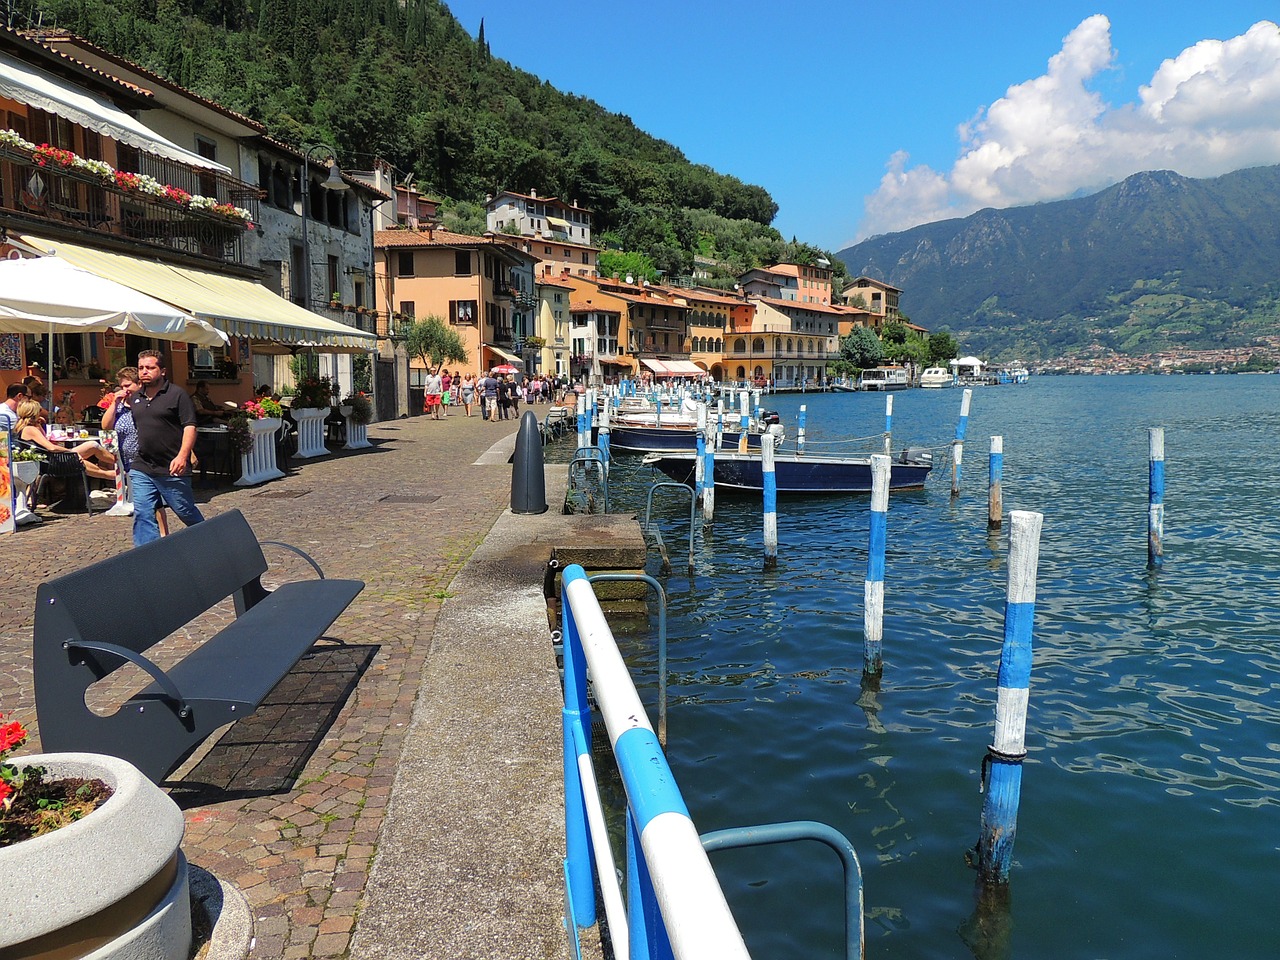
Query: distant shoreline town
point(1260, 357)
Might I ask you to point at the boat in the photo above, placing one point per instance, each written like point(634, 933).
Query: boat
point(1015, 372)
point(884, 378)
point(796, 473)
point(677, 430)
point(936, 377)
point(844, 385)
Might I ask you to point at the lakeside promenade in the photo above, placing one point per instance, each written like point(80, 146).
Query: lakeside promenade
point(347, 849)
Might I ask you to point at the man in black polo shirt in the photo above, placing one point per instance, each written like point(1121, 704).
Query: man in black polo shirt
point(166, 421)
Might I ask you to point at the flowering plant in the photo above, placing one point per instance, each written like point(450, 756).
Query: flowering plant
point(12, 735)
point(313, 393)
point(262, 409)
point(11, 138)
point(238, 434)
point(177, 195)
point(45, 155)
point(361, 409)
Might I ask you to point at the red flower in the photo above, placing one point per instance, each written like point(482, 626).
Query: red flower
point(11, 735)
point(6, 791)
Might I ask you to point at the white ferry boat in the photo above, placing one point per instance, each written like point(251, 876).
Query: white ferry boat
point(937, 377)
point(884, 378)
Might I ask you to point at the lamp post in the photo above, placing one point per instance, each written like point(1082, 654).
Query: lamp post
point(335, 182)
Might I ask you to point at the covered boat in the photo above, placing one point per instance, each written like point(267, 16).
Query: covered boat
point(796, 473)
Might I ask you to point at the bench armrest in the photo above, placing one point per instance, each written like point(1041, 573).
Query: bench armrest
point(302, 553)
point(152, 669)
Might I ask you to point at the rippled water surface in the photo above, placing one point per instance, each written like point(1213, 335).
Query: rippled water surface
point(1150, 822)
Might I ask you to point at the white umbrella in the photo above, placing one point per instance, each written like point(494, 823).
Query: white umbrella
point(45, 295)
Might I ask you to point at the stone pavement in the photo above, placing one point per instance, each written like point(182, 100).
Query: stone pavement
point(297, 833)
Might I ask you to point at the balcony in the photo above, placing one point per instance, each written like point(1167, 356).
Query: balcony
point(362, 318)
point(204, 214)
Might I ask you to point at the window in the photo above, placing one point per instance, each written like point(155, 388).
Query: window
point(584, 257)
point(335, 276)
point(404, 263)
point(547, 250)
point(559, 297)
point(462, 263)
point(462, 311)
point(407, 307)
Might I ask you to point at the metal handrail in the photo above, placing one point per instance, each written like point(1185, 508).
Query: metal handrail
point(604, 474)
point(767, 833)
point(662, 637)
point(693, 509)
point(675, 906)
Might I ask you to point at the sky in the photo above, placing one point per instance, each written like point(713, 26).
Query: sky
point(866, 118)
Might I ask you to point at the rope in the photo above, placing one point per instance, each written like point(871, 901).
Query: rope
point(994, 754)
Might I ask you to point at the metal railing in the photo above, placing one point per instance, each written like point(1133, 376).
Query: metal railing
point(674, 905)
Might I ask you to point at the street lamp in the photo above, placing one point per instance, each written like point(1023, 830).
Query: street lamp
point(335, 182)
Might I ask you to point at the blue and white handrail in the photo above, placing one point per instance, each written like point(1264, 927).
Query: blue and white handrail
point(692, 918)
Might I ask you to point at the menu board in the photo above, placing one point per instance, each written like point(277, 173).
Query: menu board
point(6, 483)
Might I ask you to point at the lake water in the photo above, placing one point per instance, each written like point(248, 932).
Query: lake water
point(1150, 813)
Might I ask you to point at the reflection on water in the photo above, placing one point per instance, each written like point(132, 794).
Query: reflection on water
point(1154, 723)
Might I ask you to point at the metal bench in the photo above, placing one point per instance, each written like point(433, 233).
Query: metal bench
point(93, 621)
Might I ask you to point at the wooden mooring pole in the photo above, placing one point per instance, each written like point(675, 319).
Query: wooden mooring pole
point(957, 448)
point(1002, 766)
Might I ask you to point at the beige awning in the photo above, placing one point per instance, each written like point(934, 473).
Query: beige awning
point(511, 358)
point(238, 307)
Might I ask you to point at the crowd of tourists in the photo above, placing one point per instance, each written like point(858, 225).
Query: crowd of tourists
point(495, 395)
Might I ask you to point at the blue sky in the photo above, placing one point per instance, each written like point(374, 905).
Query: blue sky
point(863, 118)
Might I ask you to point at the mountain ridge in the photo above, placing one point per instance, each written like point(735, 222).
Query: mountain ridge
point(1155, 262)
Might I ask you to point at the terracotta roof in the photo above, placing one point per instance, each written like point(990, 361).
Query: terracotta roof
point(586, 306)
point(529, 196)
point(55, 39)
point(801, 305)
point(21, 38)
point(554, 282)
point(438, 238)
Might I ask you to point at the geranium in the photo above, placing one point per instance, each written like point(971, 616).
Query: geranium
point(12, 735)
point(177, 195)
point(238, 434)
point(313, 393)
point(46, 155)
point(263, 409)
point(361, 409)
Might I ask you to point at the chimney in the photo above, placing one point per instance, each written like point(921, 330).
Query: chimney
point(533, 194)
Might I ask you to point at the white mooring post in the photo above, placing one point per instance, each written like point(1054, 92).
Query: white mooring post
point(995, 471)
point(700, 465)
point(769, 500)
point(873, 594)
point(709, 480)
point(888, 425)
point(804, 411)
point(1155, 498)
point(957, 448)
point(1002, 766)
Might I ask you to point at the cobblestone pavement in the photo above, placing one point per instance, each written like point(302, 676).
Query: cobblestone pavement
point(299, 843)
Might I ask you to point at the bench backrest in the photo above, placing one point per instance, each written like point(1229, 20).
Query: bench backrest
point(137, 598)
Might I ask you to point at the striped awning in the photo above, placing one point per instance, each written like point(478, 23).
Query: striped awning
point(240, 308)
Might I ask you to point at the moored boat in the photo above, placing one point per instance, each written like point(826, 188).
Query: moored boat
point(936, 377)
point(799, 474)
point(884, 378)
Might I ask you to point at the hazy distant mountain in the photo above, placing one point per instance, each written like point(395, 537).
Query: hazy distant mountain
point(1156, 262)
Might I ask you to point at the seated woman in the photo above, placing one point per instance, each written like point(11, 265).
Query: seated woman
point(98, 460)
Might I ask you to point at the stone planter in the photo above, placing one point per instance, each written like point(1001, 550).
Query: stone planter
point(112, 885)
point(259, 464)
point(310, 421)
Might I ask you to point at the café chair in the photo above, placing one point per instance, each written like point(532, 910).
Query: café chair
point(63, 466)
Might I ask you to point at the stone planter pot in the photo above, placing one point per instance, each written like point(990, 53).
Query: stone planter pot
point(259, 464)
point(112, 885)
point(25, 473)
point(310, 421)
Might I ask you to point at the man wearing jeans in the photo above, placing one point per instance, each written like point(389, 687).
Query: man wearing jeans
point(165, 419)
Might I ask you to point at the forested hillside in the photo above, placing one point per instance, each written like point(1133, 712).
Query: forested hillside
point(1157, 262)
point(402, 80)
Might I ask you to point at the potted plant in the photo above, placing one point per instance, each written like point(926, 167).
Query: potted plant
point(85, 835)
point(311, 402)
point(251, 430)
point(360, 410)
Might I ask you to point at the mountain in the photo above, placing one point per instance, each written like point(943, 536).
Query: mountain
point(404, 81)
point(1156, 262)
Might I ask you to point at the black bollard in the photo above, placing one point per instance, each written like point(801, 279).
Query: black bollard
point(528, 482)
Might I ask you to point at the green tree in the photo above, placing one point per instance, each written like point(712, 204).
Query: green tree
point(435, 343)
point(862, 348)
point(942, 347)
point(626, 263)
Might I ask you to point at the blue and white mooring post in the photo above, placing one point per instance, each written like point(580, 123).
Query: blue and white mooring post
point(804, 412)
point(700, 463)
point(604, 434)
point(888, 424)
point(584, 430)
point(1155, 498)
point(1002, 766)
point(873, 593)
point(770, 500)
point(744, 421)
point(709, 479)
point(957, 448)
point(995, 472)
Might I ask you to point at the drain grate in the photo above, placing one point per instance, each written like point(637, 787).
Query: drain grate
point(282, 494)
point(409, 498)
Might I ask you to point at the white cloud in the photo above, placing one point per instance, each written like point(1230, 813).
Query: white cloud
point(1212, 109)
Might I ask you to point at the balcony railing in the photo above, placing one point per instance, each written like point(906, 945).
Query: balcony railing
point(50, 193)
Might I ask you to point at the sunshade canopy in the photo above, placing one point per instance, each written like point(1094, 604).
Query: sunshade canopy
point(43, 293)
point(239, 307)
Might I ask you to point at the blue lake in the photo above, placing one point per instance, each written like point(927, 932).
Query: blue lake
point(1150, 815)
